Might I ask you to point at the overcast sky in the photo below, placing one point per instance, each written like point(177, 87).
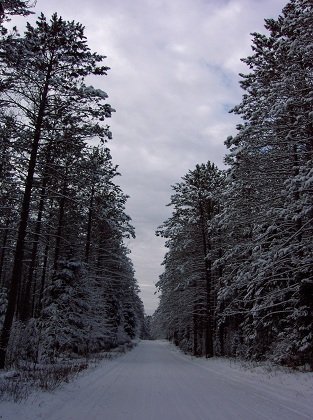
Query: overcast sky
point(173, 79)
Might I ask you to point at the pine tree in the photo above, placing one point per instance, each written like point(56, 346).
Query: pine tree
point(45, 68)
point(188, 284)
point(14, 7)
point(265, 288)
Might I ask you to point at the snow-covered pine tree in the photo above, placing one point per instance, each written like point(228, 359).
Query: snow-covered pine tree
point(71, 321)
point(188, 284)
point(289, 258)
point(39, 70)
point(264, 295)
point(15, 7)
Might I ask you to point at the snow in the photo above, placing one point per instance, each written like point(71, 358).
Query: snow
point(157, 382)
point(95, 92)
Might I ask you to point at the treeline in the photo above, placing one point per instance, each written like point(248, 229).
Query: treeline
point(238, 273)
point(67, 284)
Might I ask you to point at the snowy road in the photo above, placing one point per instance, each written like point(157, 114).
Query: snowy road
point(156, 382)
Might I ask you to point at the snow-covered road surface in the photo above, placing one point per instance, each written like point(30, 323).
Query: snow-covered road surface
point(156, 382)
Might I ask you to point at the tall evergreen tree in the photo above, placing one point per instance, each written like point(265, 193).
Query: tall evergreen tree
point(188, 283)
point(267, 293)
point(43, 69)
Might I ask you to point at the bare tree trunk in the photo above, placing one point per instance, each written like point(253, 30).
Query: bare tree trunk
point(4, 244)
point(89, 226)
point(60, 224)
point(208, 285)
point(195, 332)
point(43, 278)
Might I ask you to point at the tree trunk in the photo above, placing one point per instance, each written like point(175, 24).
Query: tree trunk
point(60, 223)
point(4, 244)
point(43, 279)
point(208, 285)
point(195, 332)
point(89, 226)
point(25, 310)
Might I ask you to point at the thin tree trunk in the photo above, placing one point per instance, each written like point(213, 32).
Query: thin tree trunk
point(208, 286)
point(4, 244)
point(43, 278)
point(195, 332)
point(60, 223)
point(221, 330)
point(89, 226)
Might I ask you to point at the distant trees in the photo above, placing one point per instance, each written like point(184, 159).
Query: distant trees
point(264, 226)
point(62, 215)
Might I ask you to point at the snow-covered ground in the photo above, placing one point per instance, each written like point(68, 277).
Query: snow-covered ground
point(157, 382)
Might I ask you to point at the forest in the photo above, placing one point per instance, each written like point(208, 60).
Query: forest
point(238, 272)
point(67, 284)
point(237, 276)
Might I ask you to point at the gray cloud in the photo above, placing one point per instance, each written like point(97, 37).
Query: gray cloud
point(173, 79)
